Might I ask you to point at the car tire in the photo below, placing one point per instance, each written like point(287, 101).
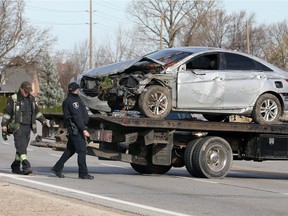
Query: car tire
point(267, 109)
point(156, 102)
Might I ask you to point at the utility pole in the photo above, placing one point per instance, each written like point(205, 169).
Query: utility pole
point(91, 39)
point(247, 37)
point(161, 29)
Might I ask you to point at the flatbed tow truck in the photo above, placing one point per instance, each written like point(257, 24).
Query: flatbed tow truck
point(152, 146)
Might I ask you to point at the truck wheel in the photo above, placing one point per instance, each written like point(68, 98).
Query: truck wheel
point(212, 157)
point(267, 109)
point(150, 168)
point(188, 155)
point(155, 102)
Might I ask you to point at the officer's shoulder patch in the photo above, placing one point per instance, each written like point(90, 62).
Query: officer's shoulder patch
point(76, 105)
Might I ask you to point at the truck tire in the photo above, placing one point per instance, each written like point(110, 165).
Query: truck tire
point(150, 168)
point(156, 102)
point(188, 155)
point(267, 109)
point(212, 157)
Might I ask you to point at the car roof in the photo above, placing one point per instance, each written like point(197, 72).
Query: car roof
point(195, 49)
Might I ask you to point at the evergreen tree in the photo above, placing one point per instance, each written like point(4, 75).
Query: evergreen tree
point(51, 93)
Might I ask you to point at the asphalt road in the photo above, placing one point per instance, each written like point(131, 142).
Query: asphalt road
point(251, 188)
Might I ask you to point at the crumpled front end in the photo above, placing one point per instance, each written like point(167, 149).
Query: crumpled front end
point(118, 91)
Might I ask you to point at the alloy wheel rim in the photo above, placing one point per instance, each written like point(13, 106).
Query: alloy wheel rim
point(269, 110)
point(158, 103)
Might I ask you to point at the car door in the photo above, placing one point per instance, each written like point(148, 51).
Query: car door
point(242, 81)
point(200, 85)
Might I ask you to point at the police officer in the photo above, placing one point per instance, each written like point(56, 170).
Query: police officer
point(75, 119)
point(19, 118)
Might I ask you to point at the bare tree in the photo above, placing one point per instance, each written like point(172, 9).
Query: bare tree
point(277, 52)
point(71, 65)
point(125, 45)
point(65, 68)
point(17, 37)
point(81, 56)
point(175, 16)
point(211, 31)
point(237, 38)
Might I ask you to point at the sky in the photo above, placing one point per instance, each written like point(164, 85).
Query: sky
point(69, 19)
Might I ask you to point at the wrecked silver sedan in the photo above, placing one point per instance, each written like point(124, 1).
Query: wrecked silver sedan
point(212, 81)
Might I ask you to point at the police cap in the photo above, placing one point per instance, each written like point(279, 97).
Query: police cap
point(73, 86)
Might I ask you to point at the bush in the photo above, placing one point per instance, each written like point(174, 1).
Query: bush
point(56, 109)
point(3, 101)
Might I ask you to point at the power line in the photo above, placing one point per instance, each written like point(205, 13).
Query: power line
point(51, 23)
point(112, 17)
point(53, 10)
point(110, 6)
point(106, 28)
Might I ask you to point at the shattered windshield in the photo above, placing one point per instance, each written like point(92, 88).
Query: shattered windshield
point(168, 56)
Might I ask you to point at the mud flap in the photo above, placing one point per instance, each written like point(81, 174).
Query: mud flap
point(162, 152)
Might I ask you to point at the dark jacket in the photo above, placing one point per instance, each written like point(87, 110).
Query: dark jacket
point(74, 109)
point(20, 110)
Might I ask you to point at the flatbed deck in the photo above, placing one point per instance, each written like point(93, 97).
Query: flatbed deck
point(184, 125)
point(193, 125)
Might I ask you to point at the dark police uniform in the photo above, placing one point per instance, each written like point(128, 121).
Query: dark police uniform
point(76, 118)
point(20, 117)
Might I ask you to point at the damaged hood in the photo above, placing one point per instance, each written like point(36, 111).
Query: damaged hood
point(117, 67)
point(114, 68)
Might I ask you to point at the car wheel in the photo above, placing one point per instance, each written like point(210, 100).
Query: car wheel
point(214, 118)
point(267, 109)
point(155, 102)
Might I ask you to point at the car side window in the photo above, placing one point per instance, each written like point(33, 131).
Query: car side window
point(239, 62)
point(206, 62)
point(262, 67)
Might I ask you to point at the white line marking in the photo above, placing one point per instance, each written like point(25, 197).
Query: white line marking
point(5, 143)
point(200, 180)
point(95, 196)
point(30, 149)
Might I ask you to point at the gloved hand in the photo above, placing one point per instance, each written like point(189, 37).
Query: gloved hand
point(45, 123)
point(4, 136)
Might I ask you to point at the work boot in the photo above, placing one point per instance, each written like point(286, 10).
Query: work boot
point(26, 167)
point(15, 166)
point(57, 173)
point(27, 171)
point(86, 176)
